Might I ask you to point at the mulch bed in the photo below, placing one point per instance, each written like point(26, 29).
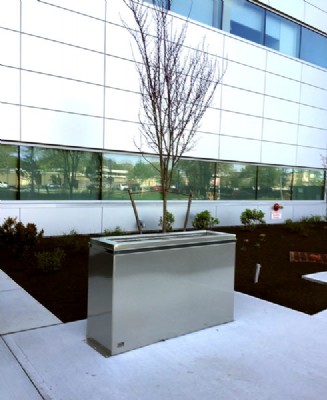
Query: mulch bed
point(64, 292)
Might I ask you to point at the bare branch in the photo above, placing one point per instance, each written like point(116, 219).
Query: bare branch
point(177, 83)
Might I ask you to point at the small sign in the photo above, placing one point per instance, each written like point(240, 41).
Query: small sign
point(276, 215)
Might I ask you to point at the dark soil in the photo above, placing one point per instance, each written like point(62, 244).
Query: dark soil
point(64, 292)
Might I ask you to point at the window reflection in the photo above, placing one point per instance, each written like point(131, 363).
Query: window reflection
point(197, 177)
point(8, 172)
point(36, 173)
point(123, 172)
point(236, 182)
point(274, 183)
point(205, 11)
point(254, 23)
point(282, 35)
point(244, 19)
point(308, 185)
point(54, 174)
point(314, 47)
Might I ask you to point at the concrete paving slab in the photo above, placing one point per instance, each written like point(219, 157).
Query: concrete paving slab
point(319, 277)
point(14, 384)
point(268, 352)
point(322, 314)
point(20, 311)
point(6, 283)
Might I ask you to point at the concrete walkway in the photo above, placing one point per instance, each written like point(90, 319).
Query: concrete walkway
point(268, 352)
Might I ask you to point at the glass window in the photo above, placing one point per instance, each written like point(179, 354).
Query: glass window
point(195, 176)
point(313, 48)
point(274, 183)
point(308, 185)
point(205, 11)
point(59, 174)
point(123, 172)
point(244, 19)
point(8, 172)
point(236, 182)
point(282, 35)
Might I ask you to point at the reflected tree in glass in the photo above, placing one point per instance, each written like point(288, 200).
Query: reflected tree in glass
point(199, 177)
point(93, 171)
point(8, 172)
point(30, 175)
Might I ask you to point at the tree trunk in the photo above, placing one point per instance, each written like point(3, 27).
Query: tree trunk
point(164, 209)
point(188, 211)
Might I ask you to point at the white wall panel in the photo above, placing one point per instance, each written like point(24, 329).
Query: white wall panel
point(243, 77)
point(10, 14)
point(294, 8)
point(9, 48)
point(245, 52)
point(121, 74)
point(10, 122)
point(281, 110)
point(213, 40)
point(61, 94)
point(319, 3)
point(284, 66)
point(315, 17)
point(283, 88)
point(124, 47)
point(276, 131)
point(122, 105)
point(310, 136)
point(61, 60)
point(120, 135)
point(42, 126)
point(277, 153)
point(116, 12)
point(46, 21)
point(206, 146)
point(241, 125)
point(314, 96)
point(59, 219)
point(309, 157)
point(242, 101)
point(314, 76)
point(115, 215)
point(239, 149)
point(210, 122)
point(93, 8)
point(313, 117)
point(9, 85)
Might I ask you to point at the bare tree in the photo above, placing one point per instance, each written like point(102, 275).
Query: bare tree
point(177, 85)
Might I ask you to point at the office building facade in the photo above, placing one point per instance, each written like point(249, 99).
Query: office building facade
point(70, 102)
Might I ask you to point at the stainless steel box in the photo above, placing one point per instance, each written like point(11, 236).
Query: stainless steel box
point(151, 287)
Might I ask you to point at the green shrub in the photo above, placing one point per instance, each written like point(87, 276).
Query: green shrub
point(312, 219)
point(50, 261)
point(72, 241)
point(170, 219)
point(116, 232)
point(302, 226)
point(250, 218)
point(204, 220)
point(21, 239)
